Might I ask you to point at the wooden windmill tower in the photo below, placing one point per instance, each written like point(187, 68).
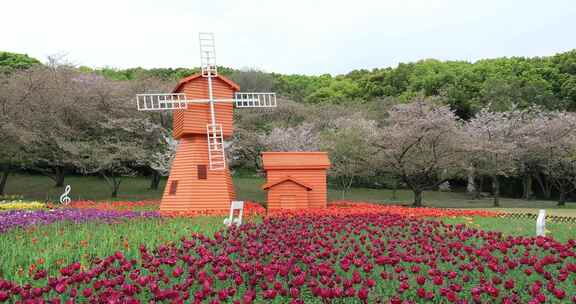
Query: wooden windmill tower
point(203, 119)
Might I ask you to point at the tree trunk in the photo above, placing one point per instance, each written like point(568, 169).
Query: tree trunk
point(56, 173)
point(345, 184)
point(479, 185)
point(471, 186)
point(3, 180)
point(545, 186)
point(113, 182)
point(527, 187)
point(155, 180)
point(395, 190)
point(115, 187)
point(417, 198)
point(59, 174)
point(562, 199)
point(496, 190)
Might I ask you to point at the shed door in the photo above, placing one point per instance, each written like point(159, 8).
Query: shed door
point(288, 201)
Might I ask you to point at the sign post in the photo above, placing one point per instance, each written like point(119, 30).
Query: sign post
point(235, 205)
point(541, 223)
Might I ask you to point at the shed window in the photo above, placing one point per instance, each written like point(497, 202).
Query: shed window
point(202, 174)
point(173, 187)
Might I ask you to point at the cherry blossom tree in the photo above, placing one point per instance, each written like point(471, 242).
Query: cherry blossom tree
point(159, 148)
point(348, 142)
point(161, 158)
point(244, 149)
point(255, 129)
point(114, 152)
point(14, 151)
point(490, 144)
point(527, 151)
point(419, 144)
point(36, 104)
point(57, 104)
point(552, 140)
point(303, 137)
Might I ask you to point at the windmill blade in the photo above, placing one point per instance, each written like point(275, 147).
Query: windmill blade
point(162, 101)
point(255, 100)
point(168, 101)
point(208, 54)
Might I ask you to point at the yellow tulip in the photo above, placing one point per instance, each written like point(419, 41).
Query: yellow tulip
point(20, 205)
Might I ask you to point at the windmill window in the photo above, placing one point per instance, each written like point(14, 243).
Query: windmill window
point(202, 172)
point(173, 187)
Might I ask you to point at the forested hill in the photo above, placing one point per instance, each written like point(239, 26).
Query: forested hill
point(501, 82)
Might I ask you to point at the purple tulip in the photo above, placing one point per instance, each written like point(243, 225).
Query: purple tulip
point(24, 218)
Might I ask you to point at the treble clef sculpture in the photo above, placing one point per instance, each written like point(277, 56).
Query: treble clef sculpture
point(64, 198)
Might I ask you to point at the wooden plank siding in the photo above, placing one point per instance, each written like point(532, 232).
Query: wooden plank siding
point(288, 188)
point(194, 119)
point(295, 160)
point(195, 192)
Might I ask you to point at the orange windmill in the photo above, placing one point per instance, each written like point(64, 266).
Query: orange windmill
point(203, 107)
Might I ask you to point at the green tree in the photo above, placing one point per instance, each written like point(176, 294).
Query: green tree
point(568, 91)
point(10, 62)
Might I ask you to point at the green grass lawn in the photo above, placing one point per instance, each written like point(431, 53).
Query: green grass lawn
point(249, 188)
point(516, 227)
point(83, 188)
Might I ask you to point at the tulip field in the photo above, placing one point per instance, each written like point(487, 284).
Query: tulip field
point(350, 252)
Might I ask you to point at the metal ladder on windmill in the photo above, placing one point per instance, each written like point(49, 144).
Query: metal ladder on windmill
point(216, 154)
point(214, 134)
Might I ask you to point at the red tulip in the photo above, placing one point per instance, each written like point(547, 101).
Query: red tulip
point(4, 296)
point(438, 280)
point(559, 293)
point(294, 292)
point(60, 288)
point(421, 292)
point(363, 294)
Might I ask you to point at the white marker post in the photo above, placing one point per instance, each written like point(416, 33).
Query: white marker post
point(235, 205)
point(541, 223)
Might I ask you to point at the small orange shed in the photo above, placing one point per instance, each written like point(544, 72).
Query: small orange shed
point(296, 179)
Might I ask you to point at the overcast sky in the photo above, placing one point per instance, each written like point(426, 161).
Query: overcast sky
point(289, 36)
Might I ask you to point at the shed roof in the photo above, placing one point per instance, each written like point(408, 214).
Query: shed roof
point(271, 184)
point(183, 81)
point(295, 160)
